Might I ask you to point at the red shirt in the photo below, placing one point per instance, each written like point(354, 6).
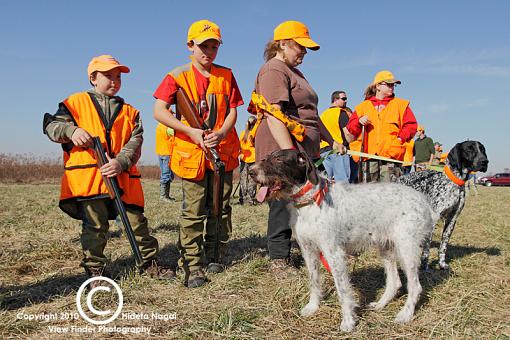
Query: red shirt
point(409, 124)
point(168, 88)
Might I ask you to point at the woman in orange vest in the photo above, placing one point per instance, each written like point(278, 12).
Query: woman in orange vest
point(213, 90)
point(247, 187)
point(389, 123)
point(164, 146)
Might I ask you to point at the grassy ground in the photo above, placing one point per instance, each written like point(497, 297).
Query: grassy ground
point(40, 253)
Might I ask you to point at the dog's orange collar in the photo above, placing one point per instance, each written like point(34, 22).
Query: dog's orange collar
point(448, 172)
point(317, 196)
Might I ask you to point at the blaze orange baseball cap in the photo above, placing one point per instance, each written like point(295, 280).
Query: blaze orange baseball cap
point(203, 30)
point(105, 63)
point(296, 31)
point(385, 76)
point(420, 128)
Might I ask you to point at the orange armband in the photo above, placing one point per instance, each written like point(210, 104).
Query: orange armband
point(258, 104)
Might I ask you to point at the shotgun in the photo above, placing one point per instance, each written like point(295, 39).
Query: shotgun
point(114, 192)
point(186, 109)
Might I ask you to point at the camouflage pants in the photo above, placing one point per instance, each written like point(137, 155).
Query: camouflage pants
point(195, 246)
point(247, 187)
point(94, 233)
point(383, 172)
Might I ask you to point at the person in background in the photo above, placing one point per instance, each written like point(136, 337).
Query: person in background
point(285, 88)
point(423, 150)
point(84, 196)
point(335, 119)
point(248, 187)
point(164, 146)
point(389, 123)
point(213, 90)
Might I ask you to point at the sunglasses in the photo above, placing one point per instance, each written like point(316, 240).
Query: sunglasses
point(389, 84)
point(343, 98)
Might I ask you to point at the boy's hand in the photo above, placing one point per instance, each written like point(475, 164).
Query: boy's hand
point(213, 138)
point(82, 138)
point(197, 136)
point(112, 168)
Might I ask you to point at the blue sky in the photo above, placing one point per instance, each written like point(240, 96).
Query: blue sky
point(453, 58)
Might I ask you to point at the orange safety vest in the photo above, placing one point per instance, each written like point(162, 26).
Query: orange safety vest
point(188, 159)
point(408, 156)
point(381, 136)
point(247, 149)
point(164, 142)
point(82, 178)
point(330, 118)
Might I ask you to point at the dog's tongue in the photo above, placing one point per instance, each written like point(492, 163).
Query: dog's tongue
point(261, 194)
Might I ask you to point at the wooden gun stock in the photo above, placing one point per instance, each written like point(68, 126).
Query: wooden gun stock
point(185, 108)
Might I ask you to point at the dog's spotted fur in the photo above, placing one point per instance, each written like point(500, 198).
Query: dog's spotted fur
point(446, 197)
point(393, 218)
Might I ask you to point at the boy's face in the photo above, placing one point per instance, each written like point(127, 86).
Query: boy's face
point(108, 82)
point(206, 52)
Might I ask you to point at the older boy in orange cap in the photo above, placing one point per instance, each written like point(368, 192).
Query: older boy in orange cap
point(99, 112)
point(214, 91)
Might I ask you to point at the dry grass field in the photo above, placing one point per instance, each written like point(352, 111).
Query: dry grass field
point(40, 277)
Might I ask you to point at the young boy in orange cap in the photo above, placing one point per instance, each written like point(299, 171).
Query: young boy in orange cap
point(99, 112)
point(213, 90)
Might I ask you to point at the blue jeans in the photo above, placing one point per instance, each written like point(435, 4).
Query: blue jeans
point(337, 167)
point(167, 175)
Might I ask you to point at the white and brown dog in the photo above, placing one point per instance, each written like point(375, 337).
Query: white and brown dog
point(338, 219)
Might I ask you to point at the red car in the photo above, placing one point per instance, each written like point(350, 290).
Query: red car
point(497, 179)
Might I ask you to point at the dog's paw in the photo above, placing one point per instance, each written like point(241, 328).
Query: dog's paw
point(375, 306)
point(348, 324)
point(403, 317)
point(309, 309)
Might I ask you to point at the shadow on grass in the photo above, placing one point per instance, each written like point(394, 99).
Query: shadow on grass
point(19, 296)
point(369, 281)
point(246, 247)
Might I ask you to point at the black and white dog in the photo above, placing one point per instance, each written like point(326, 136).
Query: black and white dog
point(446, 191)
point(338, 219)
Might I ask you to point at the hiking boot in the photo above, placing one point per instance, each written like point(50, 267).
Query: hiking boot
point(164, 193)
point(155, 271)
point(215, 267)
point(196, 279)
point(282, 268)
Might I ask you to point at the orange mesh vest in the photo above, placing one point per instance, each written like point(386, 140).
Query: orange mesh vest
point(82, 178)
point(247, 149)
point(188, 159)
point(381, 137)
point(164, 142)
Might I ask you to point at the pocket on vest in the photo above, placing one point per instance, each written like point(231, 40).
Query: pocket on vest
point(188, 160)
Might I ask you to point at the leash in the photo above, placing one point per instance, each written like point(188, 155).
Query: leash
point(362, 154)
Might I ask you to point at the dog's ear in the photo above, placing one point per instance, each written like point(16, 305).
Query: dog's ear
point(311, 170)
point(454, 157)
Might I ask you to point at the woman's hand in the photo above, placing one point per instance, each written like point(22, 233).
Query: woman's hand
point(364, 120)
